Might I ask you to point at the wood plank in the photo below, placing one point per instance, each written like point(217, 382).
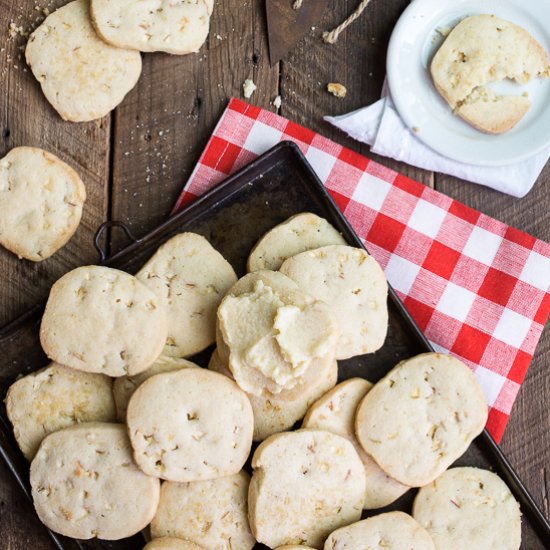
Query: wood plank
point(165, 123)
point(357, 60)
point(526, 441)
point(26, 118)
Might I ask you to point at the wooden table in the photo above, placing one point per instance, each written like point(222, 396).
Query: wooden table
point(135, 162)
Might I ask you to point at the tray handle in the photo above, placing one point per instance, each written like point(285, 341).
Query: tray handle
point(101, 230)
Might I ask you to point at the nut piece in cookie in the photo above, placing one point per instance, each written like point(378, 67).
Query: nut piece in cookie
point(86, 485)
point(421, 417)
point(99, 319)
point(82, 77)
point(190, 278)
point(469, 508)
point(190, 425)
point(211, 513)
point(390, 531)
point(335, 412)
point(275, 413)
point(54, 398)
point(305, 485)
point(271, 333)
point(173, 27)
point(41, 200)
point(299, 233)
point(482, 49)
point(353, 285)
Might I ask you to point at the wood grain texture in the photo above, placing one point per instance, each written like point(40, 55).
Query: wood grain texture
point(26, 118)
point(161, 129)
point(135, 163)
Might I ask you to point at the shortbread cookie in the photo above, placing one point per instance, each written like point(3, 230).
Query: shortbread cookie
point(391, 531)
point(190, 425)
point(190, 277)
point(277, 413)
point(299, 233)
point(54, 398)
point(273, 333)
point(211, 513)
point(171, 543)
point(174, 27)
point(483, 49)
point(353, 284)
point(83, 77)
point(421, 417)
point(469, 508)
point(294, 547)
point(41, 201)
point(305, 485)
point(335, 412)
point(99, 319)
point(125, 386)
point(85, 484)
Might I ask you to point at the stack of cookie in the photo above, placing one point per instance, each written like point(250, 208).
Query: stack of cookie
point(86, 54)
point(308, 301)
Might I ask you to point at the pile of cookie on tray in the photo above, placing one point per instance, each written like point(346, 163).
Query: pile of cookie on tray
point(124, 432)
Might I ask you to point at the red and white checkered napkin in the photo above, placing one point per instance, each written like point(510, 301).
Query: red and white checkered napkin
point(476, 287)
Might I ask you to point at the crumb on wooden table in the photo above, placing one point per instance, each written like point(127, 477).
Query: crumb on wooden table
point(248, 88)
point(336, 89)
point(277, 102)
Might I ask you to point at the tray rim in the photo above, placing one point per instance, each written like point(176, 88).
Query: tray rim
point(488, 445)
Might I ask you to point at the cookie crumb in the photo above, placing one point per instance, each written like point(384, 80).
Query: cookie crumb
point(337, 90)
point(248, 88)
point(277, 102)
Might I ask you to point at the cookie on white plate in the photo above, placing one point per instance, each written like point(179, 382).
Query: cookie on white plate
point(54, 398)
point(354, 286)
point(335, 412)
point(171, 543)
point(82, 77)
point(469, 508)
point(482, 49)
point(211, 513)
point(41, 200)
point(99, 319)
point(173, 27)
point(299, 233)
point(390, 531)
point(86, 485)
point(305, 485)
point(277, 413)
point(271, 332)
point(190, 425)
point(421, 417)
point(125, 386)
point(190, 277)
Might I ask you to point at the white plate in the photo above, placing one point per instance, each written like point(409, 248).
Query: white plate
point(413, 43)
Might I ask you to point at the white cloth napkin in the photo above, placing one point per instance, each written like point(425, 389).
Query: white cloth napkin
point(380, 126)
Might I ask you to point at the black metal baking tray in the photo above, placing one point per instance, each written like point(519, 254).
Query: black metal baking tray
point(232, 217)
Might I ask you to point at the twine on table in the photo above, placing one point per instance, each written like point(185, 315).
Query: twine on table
point(332, 36)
